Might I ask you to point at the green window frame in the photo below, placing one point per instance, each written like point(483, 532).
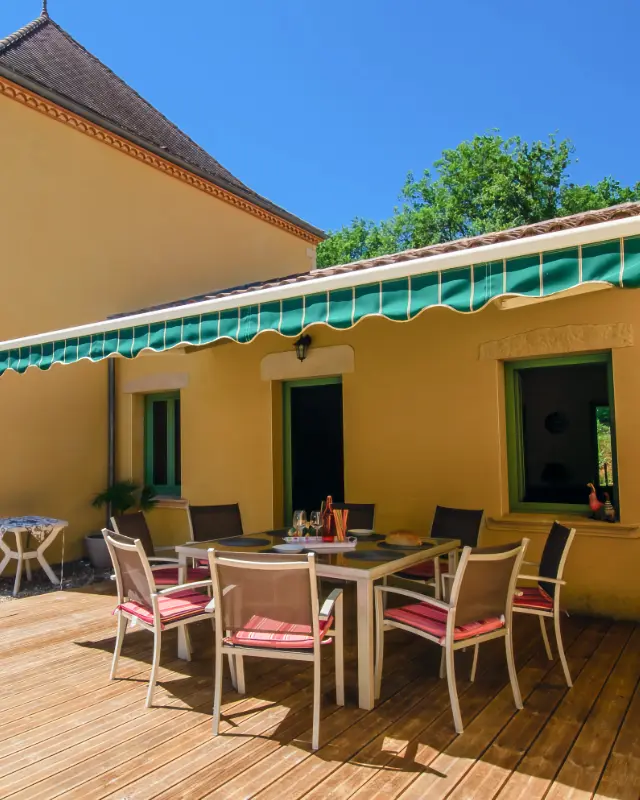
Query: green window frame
point(287, 459)
point(169, 449)
point(515, 442)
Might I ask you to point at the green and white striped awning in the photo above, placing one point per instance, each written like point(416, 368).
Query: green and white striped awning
point(242, 317)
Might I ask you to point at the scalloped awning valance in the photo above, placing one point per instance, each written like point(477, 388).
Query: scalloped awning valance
point(290, 309)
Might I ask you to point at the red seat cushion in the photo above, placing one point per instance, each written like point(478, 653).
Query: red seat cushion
point(533, 597)
point(265, 632)
point(433, 620)
point(181, 605)
point(168, 576)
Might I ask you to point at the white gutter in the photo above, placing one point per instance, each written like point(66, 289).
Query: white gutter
point(545, 242)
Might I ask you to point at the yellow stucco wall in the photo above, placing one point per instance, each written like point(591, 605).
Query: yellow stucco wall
point(424, 424)
point(87, 231)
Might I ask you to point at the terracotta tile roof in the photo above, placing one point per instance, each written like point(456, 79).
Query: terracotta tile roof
point(45, 54)
point(584, 219)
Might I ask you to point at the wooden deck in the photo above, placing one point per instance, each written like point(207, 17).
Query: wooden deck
point(66, 731)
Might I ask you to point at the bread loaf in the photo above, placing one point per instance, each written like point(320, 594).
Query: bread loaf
point(404, 539)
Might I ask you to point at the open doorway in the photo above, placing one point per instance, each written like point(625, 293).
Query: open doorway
point(313, 444)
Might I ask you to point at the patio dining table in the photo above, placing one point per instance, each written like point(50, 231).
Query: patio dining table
point(371, 560)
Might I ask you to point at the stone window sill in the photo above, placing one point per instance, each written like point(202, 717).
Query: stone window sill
point(540, 523)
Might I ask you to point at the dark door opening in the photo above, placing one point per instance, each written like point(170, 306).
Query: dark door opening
point(314, 445)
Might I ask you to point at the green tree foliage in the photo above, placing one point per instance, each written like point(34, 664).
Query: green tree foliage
point(483, 185)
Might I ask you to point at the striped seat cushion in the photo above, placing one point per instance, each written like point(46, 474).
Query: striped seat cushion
point(433, 620)
point(168, 576)
point(173, 607)
point(533, 597)
point(265, 632)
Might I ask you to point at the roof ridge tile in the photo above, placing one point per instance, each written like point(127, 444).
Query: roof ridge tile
point(22, 33)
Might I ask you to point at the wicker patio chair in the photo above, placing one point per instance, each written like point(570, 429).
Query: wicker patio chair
point(153, 609)
point(479, 609)
point(448, 523)
point(215, 522)
point(266, 606)
point(543, 600)
point(135, 527)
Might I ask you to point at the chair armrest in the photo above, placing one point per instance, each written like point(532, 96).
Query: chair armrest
point(166, 549)
point(541, 578)
point(162, 560)
point(532, 563)
point(182, 586)
point(329, 603)
point(423, 598)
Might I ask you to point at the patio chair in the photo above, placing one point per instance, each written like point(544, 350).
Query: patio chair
point(361, 515)
point(479, 609)
point(215, 522)
point(448, 523)
point(135, 526)
point(154, 609)
point(266, 606)
point(543, 600)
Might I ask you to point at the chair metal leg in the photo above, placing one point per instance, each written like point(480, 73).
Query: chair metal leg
point(217, 693)
point(545, 638)
point(27, 568)
point(560, 646)
point(443, 666)
point(187, 642)
point(513, 674)
point(339, 650)
point(315, 741)
point(379, 644)
point(157, 641)
point(453, 690)
point(474, 663)
point(122, 629)
point(438, 581)
point(240, 675)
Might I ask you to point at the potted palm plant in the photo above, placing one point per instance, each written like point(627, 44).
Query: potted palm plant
point(120, 497)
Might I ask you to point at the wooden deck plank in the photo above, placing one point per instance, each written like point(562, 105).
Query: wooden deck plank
point(330, 772)
point(64, 771)
point(492, 761)
point(580, 774)
point(621, 777)
point(69, 732)
point(196, 769)
point(425, 767)
point(546, 755)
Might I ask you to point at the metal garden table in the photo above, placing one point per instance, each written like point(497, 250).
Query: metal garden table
point(344, 566)
point(43, 530)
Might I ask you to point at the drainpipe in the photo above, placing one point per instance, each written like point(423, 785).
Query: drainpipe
point(111, 444)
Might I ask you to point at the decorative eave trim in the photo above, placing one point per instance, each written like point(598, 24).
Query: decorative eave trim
point(21, 95)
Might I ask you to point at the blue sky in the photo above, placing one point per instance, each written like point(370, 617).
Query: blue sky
point(324, 105)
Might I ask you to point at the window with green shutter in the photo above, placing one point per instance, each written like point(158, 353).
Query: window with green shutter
point(560, 432)
point(162, 443)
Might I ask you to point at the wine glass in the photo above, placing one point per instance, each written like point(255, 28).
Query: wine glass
point(316, 521)
point(299, 521)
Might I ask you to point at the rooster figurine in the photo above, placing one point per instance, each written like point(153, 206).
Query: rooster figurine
point(596, 506)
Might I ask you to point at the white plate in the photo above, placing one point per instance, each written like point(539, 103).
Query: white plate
point(359, 532)
point(288, 548)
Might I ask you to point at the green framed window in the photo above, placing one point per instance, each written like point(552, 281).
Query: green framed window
point(560, 432)
point(162, 443)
